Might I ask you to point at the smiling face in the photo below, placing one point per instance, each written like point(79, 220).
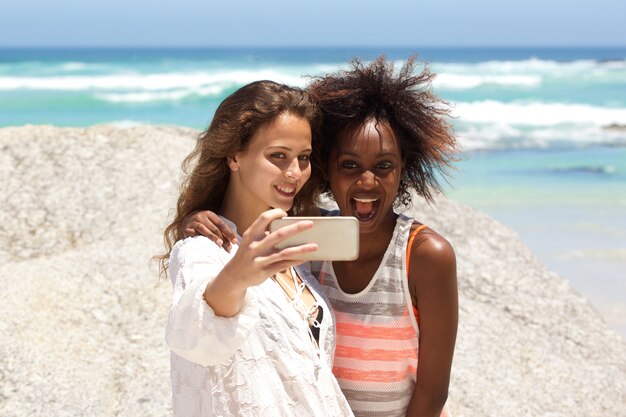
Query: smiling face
point(274, 166)
point(364, 174)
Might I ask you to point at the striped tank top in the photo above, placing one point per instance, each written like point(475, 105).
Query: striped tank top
point(377, 333)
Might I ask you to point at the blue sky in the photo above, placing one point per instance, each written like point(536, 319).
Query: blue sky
point(312, 23)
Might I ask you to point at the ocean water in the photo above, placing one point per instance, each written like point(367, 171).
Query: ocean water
point(543, 130)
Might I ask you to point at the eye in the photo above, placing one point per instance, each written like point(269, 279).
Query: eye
point(278, 155)
point(384, 165)
point(304, 157)
point(349, 164)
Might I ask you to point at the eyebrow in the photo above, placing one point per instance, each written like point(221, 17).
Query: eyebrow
point(357, 155)
point(287, 148)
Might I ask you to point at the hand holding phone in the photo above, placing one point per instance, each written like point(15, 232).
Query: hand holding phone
point(337, 237)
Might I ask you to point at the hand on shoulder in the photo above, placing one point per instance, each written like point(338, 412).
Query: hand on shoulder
point(209, 224)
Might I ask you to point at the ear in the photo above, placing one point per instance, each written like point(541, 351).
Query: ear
point(232, 162)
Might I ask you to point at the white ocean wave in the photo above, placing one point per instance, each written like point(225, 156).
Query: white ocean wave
point(497, 125)
point(525, 73)
point(530, 66)
point(136, 82)
point(614, 64)
point(461, 82)
point(176, 95)
point(537, 113)
point(467, 76)
point(126, 123)
point(504, 136)
point(529, 73)
point(73, 66)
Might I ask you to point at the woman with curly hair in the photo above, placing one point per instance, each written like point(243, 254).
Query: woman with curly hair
point(250, 334)
point(396, 306)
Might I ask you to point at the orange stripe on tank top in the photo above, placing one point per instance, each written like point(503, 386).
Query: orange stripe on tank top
point(373, 376)
point(375, 332)
point(374, 354)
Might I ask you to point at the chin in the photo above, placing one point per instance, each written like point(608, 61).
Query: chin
point(368, 226)
point(283, 205)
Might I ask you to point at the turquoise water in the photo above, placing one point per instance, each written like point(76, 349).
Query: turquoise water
point(568, 205)
point(576, 176)
point(539, 150)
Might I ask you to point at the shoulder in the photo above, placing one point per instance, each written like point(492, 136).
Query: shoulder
point(192, 243)
point(196, 248)
point(196, 253)
point(430, 245)
point(432, 259)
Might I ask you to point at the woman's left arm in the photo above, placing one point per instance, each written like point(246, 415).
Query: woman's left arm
point(433, 284)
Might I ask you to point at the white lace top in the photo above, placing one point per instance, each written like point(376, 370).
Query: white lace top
point(260, 362)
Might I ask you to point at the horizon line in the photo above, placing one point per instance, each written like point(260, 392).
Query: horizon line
point(477, 46)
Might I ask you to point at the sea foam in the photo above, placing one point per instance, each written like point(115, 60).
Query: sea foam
point(457, 81)
point(146, 82)
point(525, 73)
point(492, 124)
point(537, 113)
point(145, 97)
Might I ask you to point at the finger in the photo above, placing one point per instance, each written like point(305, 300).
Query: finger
point(283, 265)
point(203, 219)
point(294, 251)
point(189, 232)
point(213, 228)
point(258, 227)
point(189, 220)
point(283, 233)
point(205, 231)
point(288, 254)
point(193, 216)
point(221, 225)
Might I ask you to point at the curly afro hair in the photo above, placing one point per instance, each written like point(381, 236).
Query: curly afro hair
point(418, 118)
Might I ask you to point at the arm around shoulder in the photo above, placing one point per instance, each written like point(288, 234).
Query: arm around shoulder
point(433, 282)
point(194, 331)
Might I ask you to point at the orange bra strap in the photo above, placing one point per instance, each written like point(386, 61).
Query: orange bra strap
point(408, 258)
point(410, 245)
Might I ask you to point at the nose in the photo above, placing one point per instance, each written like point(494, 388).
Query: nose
point(293, 170)
point(367, 180)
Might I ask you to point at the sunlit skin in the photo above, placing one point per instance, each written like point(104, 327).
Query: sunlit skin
point(267, 174)
point(270, 171)
point(364, 173)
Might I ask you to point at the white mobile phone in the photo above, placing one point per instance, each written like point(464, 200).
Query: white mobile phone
point(337, 237)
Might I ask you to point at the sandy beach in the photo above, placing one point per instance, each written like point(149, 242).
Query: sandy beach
point(84, 310)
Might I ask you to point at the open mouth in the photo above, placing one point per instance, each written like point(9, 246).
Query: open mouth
point(286, 190)
point(364, 209)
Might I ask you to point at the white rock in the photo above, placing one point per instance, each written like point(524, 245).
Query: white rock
point(84, 312)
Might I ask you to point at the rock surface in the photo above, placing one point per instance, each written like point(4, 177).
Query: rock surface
point(84, 311)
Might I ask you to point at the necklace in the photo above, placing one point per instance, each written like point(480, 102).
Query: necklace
point(308, 313)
